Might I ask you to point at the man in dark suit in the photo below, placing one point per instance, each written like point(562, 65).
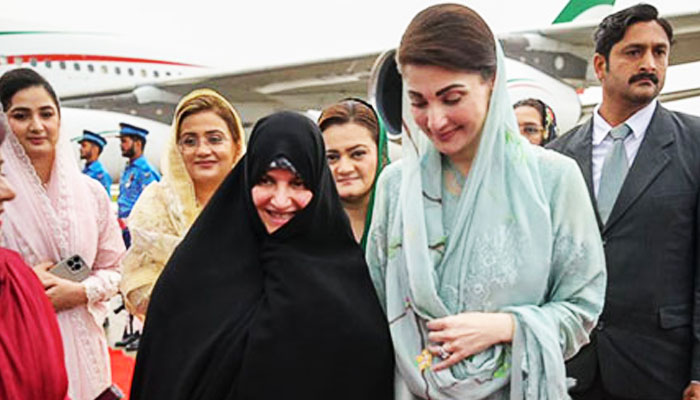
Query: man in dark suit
point(642, 166)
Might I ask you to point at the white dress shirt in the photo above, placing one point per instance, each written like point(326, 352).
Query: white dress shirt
point(603, 143)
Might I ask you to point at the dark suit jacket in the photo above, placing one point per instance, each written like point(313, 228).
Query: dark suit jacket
point(647, 342)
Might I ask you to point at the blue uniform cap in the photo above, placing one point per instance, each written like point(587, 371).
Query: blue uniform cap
point(128, 129)
point(94, 138)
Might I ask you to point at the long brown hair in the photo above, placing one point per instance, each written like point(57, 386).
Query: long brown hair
point(451, 36)
point(350, 110)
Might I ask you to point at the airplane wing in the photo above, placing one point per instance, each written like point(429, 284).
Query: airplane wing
point(565, 50)
point(561, 50)
point(254, 93)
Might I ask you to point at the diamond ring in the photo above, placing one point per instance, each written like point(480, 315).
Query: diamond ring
point(444, 354)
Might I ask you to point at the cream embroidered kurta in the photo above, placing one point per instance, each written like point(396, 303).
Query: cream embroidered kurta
point(157, 224)
point(164, 213)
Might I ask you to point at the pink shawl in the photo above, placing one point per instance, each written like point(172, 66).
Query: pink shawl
point(70, 215)
point(53, 222)
point(63, 218)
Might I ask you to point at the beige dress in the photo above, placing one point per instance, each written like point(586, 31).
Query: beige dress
point(161, 217)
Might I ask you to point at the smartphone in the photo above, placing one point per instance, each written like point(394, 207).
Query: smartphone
point(111, 393)
point(73, 268)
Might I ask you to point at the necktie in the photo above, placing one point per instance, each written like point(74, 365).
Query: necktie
point(614, 171)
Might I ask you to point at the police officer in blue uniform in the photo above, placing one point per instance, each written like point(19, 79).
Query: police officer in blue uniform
point(91, 146)
point(137, 175)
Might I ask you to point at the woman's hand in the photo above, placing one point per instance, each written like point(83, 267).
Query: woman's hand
point(459, 336)
point(46, 278)
point(64, 294)
point(692, 392)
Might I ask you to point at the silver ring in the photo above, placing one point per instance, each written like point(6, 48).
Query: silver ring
point(444, 354)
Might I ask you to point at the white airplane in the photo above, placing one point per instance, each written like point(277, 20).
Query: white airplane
point(565, 50)
point(103, 80)
point(87, 66)
point(554, 65)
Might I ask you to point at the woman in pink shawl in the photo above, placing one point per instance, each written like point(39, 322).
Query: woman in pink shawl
point(31, 352)
point(58, 213)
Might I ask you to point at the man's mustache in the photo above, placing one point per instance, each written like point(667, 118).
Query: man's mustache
point(644, 75)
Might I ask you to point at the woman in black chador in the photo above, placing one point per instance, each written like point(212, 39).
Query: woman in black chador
point(268, 296)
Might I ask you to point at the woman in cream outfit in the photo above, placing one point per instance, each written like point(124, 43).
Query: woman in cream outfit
point(207, 140)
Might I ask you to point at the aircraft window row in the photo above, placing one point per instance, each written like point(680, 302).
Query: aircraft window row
point(90, 67)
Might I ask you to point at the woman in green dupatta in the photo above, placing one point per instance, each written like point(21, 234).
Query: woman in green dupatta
point(356, 149)
point(484, 250)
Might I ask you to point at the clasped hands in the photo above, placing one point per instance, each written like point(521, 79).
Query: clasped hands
point(64, 294)
point(457, 337)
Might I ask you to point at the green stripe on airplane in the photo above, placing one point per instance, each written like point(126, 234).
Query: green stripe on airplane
point(25, 32)
point(6, 33)
point(574, 8)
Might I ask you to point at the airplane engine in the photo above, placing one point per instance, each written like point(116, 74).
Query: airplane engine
point(385, 92)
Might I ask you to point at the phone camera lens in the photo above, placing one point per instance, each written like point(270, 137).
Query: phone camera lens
point(74, 263)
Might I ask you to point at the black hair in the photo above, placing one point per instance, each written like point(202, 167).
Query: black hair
point(137, 138)
point(547, 117)
point(18, 79)
point(140, 139)
point(612, 29)
point(4, 127)
point(99, 148)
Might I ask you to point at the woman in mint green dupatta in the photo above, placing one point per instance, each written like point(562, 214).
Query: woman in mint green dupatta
point(356, 148)
point(489, 262)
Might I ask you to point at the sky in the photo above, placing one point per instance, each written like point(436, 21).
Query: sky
point(216, 33)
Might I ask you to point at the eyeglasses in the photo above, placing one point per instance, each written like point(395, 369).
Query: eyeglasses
point(189, 143)
point(531, 130)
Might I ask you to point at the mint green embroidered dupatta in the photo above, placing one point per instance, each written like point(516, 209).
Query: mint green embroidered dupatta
point(523, 240)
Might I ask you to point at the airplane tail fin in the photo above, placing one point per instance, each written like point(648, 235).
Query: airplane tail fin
point(574, 9)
